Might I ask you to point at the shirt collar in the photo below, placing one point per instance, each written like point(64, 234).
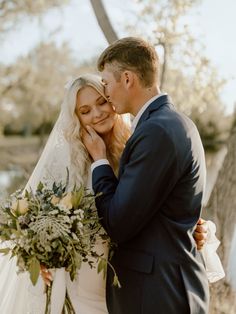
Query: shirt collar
point(141, 111)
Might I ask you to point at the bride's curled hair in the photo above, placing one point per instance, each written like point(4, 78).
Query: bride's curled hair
point(80, 160)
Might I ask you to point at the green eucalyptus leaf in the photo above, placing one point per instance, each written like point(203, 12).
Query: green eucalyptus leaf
point(77, 197)
point(5, 251)
point(40, 186)
point(102, 266)
point(116, 282)
point(78, 260)
point(27, 194)
point(34, 270)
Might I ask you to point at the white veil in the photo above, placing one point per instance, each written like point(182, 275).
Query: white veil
point(54, 160)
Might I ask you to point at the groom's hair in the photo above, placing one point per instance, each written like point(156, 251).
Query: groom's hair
point(133, 54)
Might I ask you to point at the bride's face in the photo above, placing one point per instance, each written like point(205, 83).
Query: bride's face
point(93, 110)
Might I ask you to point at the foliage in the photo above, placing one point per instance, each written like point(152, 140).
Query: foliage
point(186, 74)
point(33, 87)
point(12, 12)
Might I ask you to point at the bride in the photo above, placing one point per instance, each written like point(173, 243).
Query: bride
point(84, 104)
point(65, 149)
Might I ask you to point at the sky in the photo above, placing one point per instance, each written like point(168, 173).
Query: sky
point(213, 21)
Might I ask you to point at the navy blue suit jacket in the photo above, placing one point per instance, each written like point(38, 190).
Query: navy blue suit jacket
point(150, 211)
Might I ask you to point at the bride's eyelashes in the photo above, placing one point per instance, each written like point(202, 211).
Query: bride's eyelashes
point(86, 112)
point(103, 103)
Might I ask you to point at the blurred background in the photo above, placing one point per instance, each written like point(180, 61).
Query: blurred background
point(45, 43)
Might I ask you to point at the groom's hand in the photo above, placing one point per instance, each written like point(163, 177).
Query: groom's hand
point(94, 143)
point(200, 233)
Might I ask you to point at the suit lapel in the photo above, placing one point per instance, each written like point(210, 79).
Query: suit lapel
point(155, 105)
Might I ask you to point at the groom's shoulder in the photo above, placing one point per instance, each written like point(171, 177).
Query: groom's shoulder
point(168, 118)
point(169, 122)
point(173, 118)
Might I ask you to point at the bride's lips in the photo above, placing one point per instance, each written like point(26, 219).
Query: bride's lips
point(101, 121)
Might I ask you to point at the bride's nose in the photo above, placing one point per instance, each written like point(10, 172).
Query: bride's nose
point(97, 113)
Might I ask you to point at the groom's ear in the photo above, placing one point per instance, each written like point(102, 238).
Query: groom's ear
point(128, 79)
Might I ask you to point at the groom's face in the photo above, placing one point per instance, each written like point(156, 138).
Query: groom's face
point(114, 89)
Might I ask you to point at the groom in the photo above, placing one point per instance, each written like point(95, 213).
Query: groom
point(151, 209)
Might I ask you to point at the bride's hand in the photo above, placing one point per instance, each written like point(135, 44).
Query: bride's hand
point(46, 275)
point(94, 143)
point(200, 233)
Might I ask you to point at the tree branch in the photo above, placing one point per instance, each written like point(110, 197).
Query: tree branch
point(103, 21)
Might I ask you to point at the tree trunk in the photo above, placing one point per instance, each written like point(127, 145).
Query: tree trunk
point(164, 67)
point(103, 21)
point(221, 209)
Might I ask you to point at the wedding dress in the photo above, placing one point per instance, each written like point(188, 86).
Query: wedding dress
point(87, 291)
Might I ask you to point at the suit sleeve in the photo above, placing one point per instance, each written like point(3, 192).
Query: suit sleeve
point(127, 205)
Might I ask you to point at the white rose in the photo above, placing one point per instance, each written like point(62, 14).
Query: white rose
point(55, 200)
point(20, 206)
point(67, 201)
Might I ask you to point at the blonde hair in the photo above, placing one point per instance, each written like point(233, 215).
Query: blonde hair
point(119, 136)
point(120, 133)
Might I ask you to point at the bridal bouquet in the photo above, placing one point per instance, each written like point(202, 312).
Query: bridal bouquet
point(54, 228)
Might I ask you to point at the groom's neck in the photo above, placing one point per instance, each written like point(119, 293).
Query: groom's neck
point(142, 97)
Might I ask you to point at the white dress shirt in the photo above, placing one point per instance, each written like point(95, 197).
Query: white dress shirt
point(141, 111)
